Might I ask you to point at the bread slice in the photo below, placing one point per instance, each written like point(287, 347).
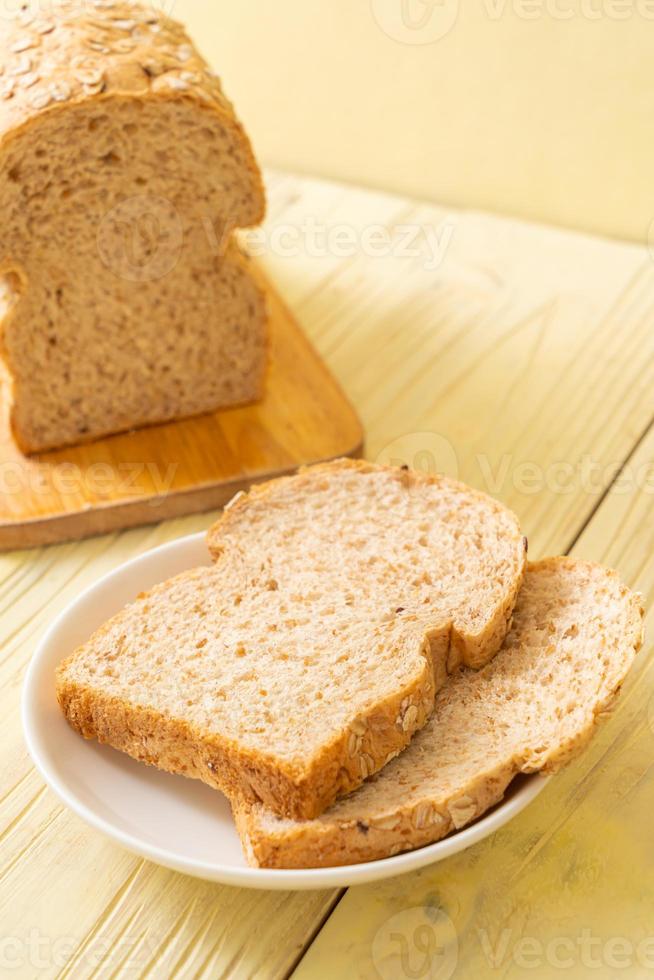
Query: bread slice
point(123, 170)
point(310, 653)
point(575, 633)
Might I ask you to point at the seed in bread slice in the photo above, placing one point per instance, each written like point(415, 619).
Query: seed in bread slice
point(312, 649)
point(575, 633)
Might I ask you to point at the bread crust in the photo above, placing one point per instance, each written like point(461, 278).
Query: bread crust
point(175, 746)
point(84, 55)
point(325, 842)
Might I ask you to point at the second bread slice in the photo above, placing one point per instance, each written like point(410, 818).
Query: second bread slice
point(575, 633)
point(311, 652)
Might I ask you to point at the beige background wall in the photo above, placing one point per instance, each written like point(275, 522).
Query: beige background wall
point(541, 108)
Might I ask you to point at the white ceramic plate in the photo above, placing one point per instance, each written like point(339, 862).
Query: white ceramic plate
point(173, 821)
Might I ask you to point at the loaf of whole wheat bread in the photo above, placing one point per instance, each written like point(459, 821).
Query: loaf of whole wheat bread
point(123, 171)
point(575, 633)
point(310, 653)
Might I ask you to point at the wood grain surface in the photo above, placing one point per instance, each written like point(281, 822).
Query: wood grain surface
point(163, 471)
point(522, 359)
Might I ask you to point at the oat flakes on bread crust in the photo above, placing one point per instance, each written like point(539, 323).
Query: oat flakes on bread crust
point(310, 653)
point(575, 634)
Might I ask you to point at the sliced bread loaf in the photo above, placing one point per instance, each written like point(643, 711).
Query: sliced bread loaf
point(575, 633)
point(310, 653)
point(123, 170)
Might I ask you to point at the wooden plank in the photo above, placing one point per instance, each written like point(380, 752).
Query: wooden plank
point(130, 915)
point(524, 345)
point(567, 888)
point(164, 471)
point(525, 355)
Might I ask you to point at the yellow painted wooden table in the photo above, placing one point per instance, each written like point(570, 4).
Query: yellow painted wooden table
point(521, 359)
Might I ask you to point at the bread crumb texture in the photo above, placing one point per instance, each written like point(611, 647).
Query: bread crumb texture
point(311, 652)
point(575, 633)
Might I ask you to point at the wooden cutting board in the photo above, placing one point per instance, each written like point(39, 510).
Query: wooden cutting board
point(145, 476)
